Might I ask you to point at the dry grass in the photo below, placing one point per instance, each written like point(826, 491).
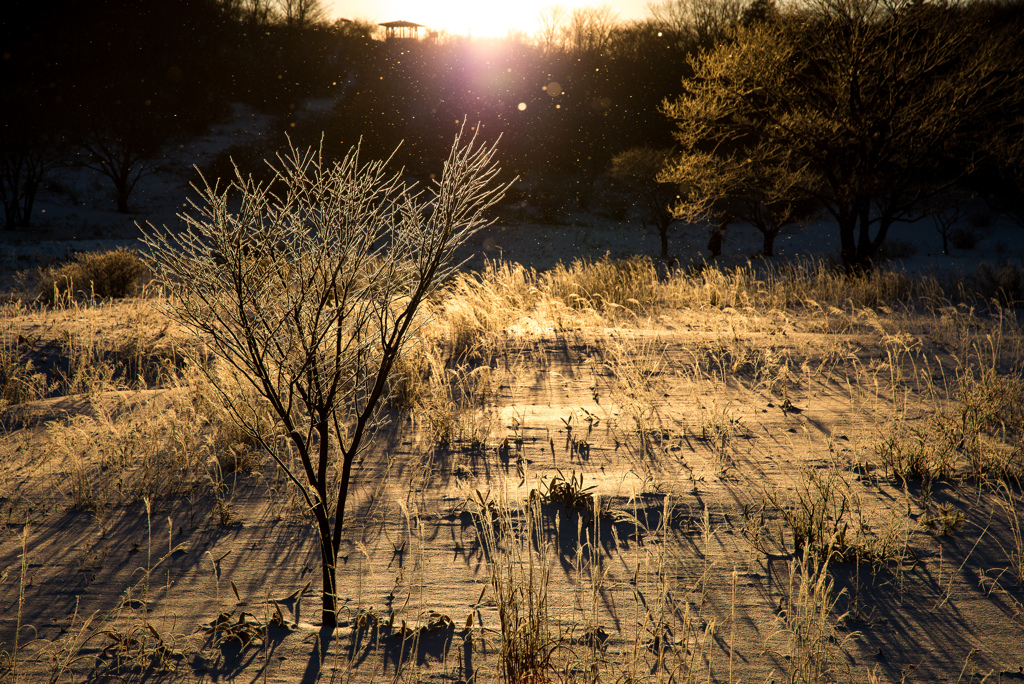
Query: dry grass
point(674, 632)
point(96, 393)
point(121, 643)
point(1011, 503)
point(520, 578)
point(973, 421)
point(86, 348)
point(825, 520)
point(807, 634)
point(98, 396)
point(637, 367)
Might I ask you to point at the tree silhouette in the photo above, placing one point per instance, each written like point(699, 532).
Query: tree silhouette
point(868, 108)
point(640, 169)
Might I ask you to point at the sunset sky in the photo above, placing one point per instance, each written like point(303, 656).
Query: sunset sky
point(478, 18)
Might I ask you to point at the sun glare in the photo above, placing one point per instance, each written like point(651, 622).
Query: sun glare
point(484, 19)
point(494, 19)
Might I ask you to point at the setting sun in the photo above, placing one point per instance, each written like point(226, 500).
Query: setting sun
point(471, 17)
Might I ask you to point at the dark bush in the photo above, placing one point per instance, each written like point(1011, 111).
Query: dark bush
point(894, 248)
point(250, 159)
point(963, 237)
point(114, 274)
point(1003, 283)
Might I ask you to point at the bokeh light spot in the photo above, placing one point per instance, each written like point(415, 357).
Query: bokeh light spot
point(554, 89)
point(522, 106)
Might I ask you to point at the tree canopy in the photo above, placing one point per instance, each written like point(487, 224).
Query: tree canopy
point(867, 108)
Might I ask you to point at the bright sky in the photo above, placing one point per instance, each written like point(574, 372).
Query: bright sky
point(479, 18)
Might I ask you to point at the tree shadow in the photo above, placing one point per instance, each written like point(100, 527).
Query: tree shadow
point(399, 646)
point(581, 532)
point(238, 642)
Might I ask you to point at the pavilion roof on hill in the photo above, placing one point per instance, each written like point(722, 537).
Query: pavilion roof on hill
point(401, 29)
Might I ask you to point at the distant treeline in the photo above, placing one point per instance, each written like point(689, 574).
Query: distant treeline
point(107, 84)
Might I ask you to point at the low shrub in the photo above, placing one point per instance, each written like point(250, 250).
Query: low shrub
point(918, 454)
point(1003, 283)
point(112, 274)
point(825, 520)
point(964, 237)
point(894, 248)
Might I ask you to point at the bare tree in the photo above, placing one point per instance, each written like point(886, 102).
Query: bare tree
point(307, 294)
point(640, 169)
point(256, 12)
point(946, 211)
point(120, 141)
point(26, 157)
point(301, 14)
point(553, 29)
point(589, 30)
point(698, 22)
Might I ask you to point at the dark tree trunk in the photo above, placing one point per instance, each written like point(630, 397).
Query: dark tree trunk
point(122, 186)
point(884, 222)
point(328, 550)
point(11, 215)
point(768, 242)
point(30, 201)
point(848, 243)
point(329, 566)
point(863, 237)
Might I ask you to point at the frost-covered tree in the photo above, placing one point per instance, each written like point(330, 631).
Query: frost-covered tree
point(306, 292)
point(723, 188)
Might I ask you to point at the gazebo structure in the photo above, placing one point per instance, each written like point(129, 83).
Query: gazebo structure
point(401, 30)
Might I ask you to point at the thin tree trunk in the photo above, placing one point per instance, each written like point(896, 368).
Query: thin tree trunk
point(339, 518)
point(10, 215)
point(864, 250)
point(122, 189)
point(768, 242)
point(329, 564)
point(848, 243)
